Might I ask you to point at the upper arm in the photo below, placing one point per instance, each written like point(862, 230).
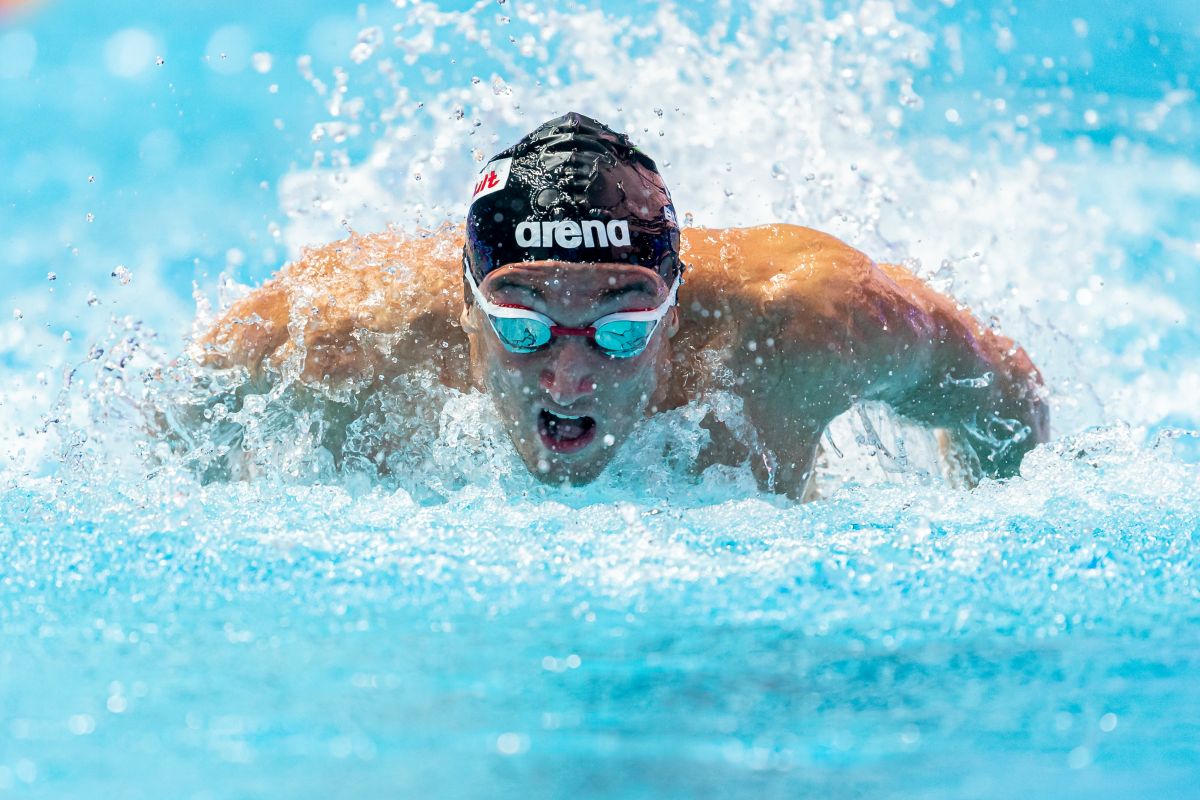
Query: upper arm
point(836, 330)
point(248, 331)
point(969, 369)
point(845, 329)
point(943, 368)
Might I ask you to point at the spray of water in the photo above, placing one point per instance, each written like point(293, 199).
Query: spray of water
point(789, 111)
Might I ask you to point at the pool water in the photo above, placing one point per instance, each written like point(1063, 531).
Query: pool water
point(459, 630)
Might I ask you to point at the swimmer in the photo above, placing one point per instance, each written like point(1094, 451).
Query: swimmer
point(574, 300)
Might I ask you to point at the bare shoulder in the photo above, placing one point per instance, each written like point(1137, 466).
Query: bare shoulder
point(798, 302)
point(337, 304)
point(764, 250)
point(772, 275)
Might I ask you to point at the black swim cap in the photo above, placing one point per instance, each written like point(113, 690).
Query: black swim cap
point(573, 190)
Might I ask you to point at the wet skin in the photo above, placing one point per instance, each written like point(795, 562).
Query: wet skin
point(571, 376)
point(797, 324)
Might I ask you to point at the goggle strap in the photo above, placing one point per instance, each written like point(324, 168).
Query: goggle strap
point(559, 330)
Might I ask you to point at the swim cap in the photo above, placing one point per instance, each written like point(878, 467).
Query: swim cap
point(573, 190)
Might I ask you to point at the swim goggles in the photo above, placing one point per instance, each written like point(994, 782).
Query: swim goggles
point(624, 334)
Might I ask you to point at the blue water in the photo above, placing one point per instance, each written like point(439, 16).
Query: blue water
point(462, 631)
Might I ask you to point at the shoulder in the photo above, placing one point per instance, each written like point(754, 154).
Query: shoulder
point(384, 283)
point(773, 274)
point(765, 250)
point(381, 274)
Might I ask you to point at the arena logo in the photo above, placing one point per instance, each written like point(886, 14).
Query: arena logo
point(572, 234)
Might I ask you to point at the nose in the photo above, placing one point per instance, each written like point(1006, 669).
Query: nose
point(568, 376)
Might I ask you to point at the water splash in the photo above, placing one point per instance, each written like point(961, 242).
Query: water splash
point(901, 636)
point(847, 169)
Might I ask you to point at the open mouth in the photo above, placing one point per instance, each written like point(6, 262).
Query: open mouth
point(563, 433)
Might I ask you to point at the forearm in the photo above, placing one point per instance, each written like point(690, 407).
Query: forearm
point(964, 377)
point(986, 392)
point(1002, 421)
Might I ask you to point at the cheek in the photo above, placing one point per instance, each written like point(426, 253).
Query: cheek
point(511, 374)
point(623, 382)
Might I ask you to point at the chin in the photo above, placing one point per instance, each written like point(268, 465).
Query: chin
point(553, 469)
point(575, 469)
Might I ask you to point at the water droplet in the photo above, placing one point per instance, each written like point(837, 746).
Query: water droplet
point(90, 217)
point(91, 178)
point(18, 314)
point(159, 61)
point(511, 744)
point(51, 276)
point(81, 724)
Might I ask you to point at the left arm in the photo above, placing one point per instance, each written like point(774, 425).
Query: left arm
point(933, 362)
point(845, 330)
point(972, 381)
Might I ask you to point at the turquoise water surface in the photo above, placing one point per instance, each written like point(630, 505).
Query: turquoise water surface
point(459, 630)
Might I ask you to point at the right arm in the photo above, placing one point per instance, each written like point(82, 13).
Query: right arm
point(322, 335)
point(349, 312)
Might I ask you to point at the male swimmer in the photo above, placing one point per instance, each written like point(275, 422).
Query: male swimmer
point(584, 308)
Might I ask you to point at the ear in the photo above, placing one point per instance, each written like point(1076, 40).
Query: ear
point(671, 321)
point(467, 320)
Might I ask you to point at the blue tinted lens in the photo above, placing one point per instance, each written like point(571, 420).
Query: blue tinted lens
point(521, 335)
point(624, 339)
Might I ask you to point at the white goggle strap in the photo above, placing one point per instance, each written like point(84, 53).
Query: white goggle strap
point(493, 310)
point(653, 315)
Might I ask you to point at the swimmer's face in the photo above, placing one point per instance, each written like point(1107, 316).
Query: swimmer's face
point(568, 406)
